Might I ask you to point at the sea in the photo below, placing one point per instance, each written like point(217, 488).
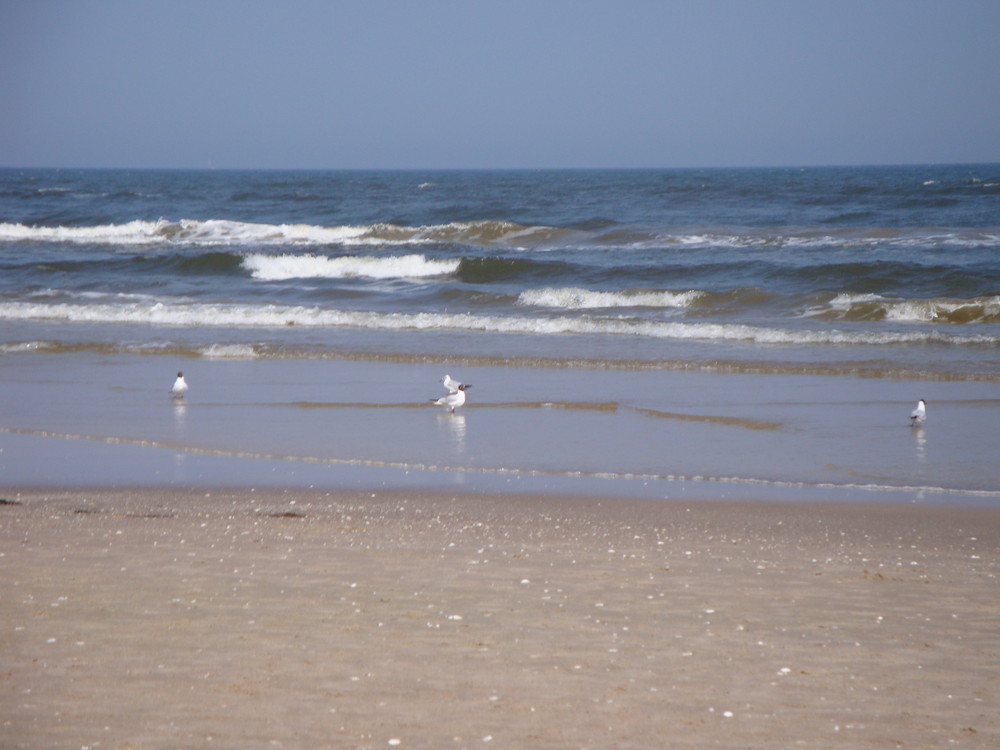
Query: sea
point(700, 333)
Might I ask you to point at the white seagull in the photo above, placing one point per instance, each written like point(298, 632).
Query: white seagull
point(180, 386)
point(453, 400)
point(918, 415)
point(451, 384)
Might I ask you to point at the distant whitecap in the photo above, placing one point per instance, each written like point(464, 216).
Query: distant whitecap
point(281, 267)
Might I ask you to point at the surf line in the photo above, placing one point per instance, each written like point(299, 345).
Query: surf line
point(488, 470)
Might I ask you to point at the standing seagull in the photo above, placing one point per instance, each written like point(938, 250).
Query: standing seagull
point(454, 399)
point(918, 415)
point(180, 386)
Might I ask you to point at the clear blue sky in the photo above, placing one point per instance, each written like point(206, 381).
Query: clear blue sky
point(498, 83)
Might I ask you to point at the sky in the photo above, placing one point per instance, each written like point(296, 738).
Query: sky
point(411, 84)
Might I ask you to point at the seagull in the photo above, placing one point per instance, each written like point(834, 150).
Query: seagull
point(180, 386)
point(454, 399)
point(918, 415)
point(451, 384)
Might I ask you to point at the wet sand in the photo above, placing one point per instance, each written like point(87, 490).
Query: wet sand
point(241, 619)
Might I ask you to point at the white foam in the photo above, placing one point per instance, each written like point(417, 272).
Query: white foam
point(131, 233)
point(572, 298)
point(933, 310)
point(844, 300)
point(936, 310)
point(852, 238)
point(19, 347)
point(187, 232)
point(229, 351)
point(280, 267)
point(222, 232)
point(259, 316)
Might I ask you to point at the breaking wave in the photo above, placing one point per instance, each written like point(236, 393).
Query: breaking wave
point(582, 299)
point(808, 238)
point(185, 232)
point(223, 232)
point(269, 316)
point(874, 307)
point(281, 267)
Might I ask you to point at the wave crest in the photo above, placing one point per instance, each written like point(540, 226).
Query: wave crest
point(281, 267)
point(580, 299)
point(186, 231)
point(270, 316)
point(488, 232)
point(874, 307)
point(215, 232)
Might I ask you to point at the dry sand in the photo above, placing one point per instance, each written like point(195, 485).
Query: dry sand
point(167, 619)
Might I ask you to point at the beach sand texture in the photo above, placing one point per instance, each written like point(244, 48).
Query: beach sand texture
point(165, 619)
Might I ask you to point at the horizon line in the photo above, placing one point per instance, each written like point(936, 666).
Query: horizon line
point(212, 168)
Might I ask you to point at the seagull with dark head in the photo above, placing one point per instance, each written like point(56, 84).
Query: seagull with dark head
point(455, 397)
point(179, 387)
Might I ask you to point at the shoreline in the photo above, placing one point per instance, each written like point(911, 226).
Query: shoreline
point(148, 618)
point(205, 498)
point(108, 421)
point(36, 460)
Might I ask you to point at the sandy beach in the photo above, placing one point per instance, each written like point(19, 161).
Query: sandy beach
point(267, 619)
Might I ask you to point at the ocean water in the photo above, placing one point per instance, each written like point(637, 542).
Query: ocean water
point(626, 331)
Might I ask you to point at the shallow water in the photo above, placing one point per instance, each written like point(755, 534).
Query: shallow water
point(85, 419)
